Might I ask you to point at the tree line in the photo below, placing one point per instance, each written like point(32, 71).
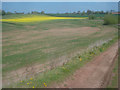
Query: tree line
point(2, 12)
point(88, 12)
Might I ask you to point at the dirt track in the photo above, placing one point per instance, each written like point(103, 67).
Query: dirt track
point(93, 74)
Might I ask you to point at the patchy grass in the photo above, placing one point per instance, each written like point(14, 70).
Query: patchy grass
point(25, 44)
point(60, 73)
point(30, 46)
point(114, 80)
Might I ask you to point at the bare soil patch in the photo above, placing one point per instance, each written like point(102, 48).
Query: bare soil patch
point(25, 37)
point(28, 36)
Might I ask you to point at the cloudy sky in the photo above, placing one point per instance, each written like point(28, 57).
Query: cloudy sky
point(60, 0)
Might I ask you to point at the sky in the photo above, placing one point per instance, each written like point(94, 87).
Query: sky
point(58, 7)
point(60, 0)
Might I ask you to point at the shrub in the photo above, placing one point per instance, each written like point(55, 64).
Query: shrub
point(91, 17)
point(110, 19)
point(119, 19)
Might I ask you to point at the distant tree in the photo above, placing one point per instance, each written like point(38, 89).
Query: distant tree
point(22, 13)
point(35, 12)
point(74, 12)
point(66, 13)
point(28, 13)
point(96, 12)
point(58, 13)
point(102, 12)
point(89, 12)
point(111, 11)
point(42, 12)
point(9, 13)
point(78, 12)
point(107, 12)
point(32, 12)
point(3, 12)
point(0, 12)
point(15, 12)
point(83, 13)
point(92, 12)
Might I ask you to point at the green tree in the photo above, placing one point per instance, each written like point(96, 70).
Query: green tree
point(74, 13)
point(83, 13)
point(42, 12)
point(35, 12)
point(8, 13)
point(0, 12)
point(3, 12)
point(15, 12)
point(78, 12)
point(89, 12)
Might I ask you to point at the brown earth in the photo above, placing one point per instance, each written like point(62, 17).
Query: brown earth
point(28, 36)
point(24, 37)
point(64, 34)
point(93, 74)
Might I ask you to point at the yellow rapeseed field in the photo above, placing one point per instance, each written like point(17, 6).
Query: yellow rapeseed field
point(39, 18)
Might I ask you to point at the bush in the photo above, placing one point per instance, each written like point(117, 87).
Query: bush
point(91, 17)
point(110, 19)
point(119, 19)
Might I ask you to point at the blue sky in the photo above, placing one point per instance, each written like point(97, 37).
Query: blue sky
point(60, 0)
point(57, 7)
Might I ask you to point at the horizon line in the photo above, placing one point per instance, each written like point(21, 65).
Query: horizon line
point(46, 1)
point(57, 1)
point(60, 1)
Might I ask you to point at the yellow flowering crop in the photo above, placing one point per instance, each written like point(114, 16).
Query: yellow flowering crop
point(39, 18)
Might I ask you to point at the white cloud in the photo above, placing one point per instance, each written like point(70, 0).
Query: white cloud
point(60, 1)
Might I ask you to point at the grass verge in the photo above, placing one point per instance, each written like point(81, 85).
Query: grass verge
point(114, 80)
point(60, 73)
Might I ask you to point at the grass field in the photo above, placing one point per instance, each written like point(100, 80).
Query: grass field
point(59, 74)
point(25, 44)
point(75, 15)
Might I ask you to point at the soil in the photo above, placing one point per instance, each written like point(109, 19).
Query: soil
point(94, 74)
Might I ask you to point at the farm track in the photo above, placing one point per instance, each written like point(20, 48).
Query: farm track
point(95, 74)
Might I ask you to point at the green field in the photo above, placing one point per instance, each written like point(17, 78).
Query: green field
point(75, 15)
point(27, 44)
